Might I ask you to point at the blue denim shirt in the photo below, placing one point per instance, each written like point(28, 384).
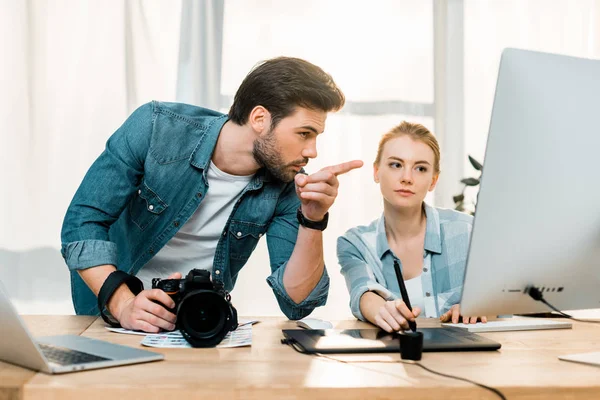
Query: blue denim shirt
point(149, 181)
point(367, 261)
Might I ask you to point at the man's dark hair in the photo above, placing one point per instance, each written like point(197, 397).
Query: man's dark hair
point(281, 84)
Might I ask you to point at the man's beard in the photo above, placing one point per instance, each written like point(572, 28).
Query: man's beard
point(267, 155)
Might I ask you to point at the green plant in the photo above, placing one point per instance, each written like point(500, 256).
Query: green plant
point(460, 203)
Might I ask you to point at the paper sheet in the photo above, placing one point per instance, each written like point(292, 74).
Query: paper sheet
point(242, 336)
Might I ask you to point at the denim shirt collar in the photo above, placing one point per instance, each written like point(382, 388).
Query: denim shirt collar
point(433, 239)
point(206, 145)
point(202, 154)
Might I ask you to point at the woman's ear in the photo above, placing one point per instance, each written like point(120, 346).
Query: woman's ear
point(260, 119)
point(375, 173)
point(434, 181)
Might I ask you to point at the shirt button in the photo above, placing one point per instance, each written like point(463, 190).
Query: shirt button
point(199, 194)
point(176, 223)
point(217, 272)
point(260, 235)
point(224, 233)
point(427, 294)
point(139, 191)
point(424, 269)
point(151, 251)
point(150, 207)
point(239, 234)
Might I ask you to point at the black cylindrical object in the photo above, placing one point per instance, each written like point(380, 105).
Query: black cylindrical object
point(411, 345)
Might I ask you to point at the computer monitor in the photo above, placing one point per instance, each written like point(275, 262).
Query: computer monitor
point(537, 221)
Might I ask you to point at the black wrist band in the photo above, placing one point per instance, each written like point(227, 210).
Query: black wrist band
point(318, 225)
point(110, 285)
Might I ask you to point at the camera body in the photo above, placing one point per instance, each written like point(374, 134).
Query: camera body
point(203, 308)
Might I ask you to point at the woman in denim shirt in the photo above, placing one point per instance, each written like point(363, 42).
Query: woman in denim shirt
point(429, 243)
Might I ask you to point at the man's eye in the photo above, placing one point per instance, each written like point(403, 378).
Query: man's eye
point(304, 134)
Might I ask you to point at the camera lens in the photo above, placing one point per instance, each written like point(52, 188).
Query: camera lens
point(207, 316)
point(203, 317)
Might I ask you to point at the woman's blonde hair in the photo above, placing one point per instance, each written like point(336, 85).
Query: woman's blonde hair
point(416, 132)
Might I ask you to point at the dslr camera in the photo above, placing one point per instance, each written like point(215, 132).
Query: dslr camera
point(203, 308)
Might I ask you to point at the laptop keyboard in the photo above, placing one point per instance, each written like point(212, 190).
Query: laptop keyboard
point(64, 356)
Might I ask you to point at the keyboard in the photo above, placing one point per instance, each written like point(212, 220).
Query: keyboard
point(510, 324)
point(64, 356)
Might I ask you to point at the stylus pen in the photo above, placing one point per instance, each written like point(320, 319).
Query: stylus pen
point(411, 324)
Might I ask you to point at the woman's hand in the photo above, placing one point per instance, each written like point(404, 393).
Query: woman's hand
point(394, 315)
point(453, 315)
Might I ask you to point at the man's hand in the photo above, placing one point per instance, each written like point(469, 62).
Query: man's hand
point(394, 315)
point(318, 191)
point(453, 315)
point(142, 312)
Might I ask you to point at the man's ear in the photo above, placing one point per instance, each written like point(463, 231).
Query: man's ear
point(260, 119)
point(434, 181)
point(375, 173)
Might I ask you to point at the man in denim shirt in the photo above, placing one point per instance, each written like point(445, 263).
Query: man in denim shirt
point(181, 187)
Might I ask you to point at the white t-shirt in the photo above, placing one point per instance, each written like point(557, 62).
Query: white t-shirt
point(414, 287)
point(194, 245)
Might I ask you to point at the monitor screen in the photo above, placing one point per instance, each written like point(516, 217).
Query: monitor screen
point(537, 221)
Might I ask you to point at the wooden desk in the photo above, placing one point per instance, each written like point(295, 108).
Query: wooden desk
point(525, 368)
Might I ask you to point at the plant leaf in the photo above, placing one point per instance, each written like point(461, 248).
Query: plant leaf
point(470, 181)
point(458, 198)
point(476, 164)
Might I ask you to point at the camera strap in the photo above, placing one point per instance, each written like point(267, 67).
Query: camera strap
point(110, 285)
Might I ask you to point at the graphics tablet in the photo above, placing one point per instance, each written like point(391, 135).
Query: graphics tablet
point(379, 341)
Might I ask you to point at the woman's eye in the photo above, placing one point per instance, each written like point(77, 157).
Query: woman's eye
point(395, 165)
point(422, 169)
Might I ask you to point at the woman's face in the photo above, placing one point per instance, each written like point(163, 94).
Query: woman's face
point(405, 172)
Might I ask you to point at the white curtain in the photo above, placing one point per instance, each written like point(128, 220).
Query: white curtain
point(71, 72)
point(199, 69)
point(570, 27)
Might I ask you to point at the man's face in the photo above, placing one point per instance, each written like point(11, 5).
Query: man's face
point(287, 148)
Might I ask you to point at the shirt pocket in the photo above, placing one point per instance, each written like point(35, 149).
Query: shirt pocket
point(244, 237)
point(145, 206)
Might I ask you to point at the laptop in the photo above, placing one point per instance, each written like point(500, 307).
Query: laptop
point(378, 341)
point(59, 354)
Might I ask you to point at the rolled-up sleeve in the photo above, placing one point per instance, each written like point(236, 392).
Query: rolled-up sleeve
point(281, 239)
point(104, 192)
point(358, 274)
point(292, 310)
